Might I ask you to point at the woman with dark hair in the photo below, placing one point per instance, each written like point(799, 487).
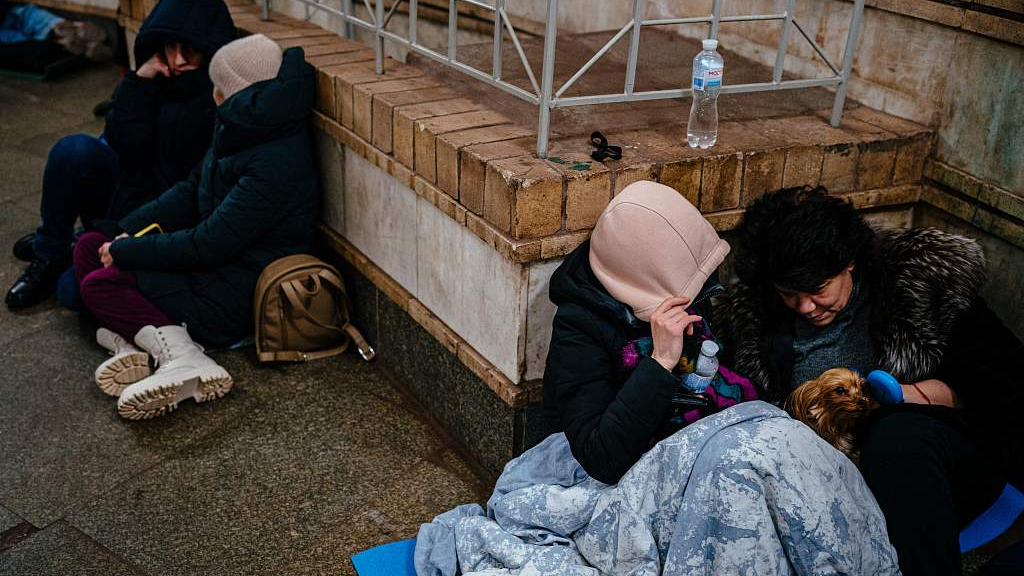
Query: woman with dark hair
point(818, 288)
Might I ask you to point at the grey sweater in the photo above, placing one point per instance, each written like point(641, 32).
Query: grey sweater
point(846, 342)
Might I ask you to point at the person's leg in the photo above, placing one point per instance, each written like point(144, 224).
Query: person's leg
point(113, 296)
point(80, 175)
point(86, 257)
point(929, 480)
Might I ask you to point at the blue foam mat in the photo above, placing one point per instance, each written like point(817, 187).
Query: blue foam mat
point(394, 559)
point(993, 521)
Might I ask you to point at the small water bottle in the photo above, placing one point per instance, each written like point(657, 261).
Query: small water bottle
point(702, 129)
point(707, 367)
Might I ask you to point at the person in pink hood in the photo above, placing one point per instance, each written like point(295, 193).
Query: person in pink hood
point(633, 302)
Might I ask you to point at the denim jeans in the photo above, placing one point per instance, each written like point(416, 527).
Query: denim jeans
point(27, 22)
point(80, 176)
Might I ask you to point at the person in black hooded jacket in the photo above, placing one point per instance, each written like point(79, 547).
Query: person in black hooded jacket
point(253, 200)
point(156, 132)
point(652, 257)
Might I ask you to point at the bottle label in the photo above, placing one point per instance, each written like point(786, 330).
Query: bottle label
point(697, 383)
point(712, 78)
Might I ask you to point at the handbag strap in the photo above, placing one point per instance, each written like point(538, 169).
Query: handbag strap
point(365, 350)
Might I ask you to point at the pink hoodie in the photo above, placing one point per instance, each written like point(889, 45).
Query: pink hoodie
point(651, 244)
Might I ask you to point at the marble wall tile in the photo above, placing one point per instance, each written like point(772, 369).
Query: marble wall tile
point(330, 157)
point(1004, 289)
point(471, 288)
point(539, 314)
point(380, 217)
point(983, 121)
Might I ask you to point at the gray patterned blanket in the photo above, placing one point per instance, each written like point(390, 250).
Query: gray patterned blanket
point(745, 491)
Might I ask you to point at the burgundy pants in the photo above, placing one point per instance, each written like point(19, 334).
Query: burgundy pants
point(111, 294)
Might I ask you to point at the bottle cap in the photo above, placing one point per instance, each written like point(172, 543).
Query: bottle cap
point(709, 348)
point(710, 44)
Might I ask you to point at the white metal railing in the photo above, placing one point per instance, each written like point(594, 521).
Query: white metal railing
point(544, 95)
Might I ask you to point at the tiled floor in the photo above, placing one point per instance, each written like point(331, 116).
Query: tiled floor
point(295, 470)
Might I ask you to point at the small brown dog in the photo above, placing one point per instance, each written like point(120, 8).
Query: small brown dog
point(832, 405)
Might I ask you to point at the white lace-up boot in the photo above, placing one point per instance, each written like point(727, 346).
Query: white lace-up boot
point(126, 366)
point(183, 371)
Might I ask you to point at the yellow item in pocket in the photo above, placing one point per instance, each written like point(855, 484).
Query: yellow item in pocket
point(148, 229)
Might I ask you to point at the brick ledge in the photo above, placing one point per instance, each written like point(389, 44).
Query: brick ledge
point(528, 251)
point(976, 189)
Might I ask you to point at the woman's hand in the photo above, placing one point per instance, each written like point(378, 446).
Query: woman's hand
point(105, 256)
point(154, 67)
point(670, 324)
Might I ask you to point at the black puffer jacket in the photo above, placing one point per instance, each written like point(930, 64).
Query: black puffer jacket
point(611, 415)
point(253, 201)
point(161, 128)
point(927, 321)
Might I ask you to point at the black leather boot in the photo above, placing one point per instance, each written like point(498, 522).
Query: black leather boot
point(36, 283)
point(23, 249)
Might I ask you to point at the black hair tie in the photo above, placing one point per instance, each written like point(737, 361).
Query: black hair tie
point(604, 150)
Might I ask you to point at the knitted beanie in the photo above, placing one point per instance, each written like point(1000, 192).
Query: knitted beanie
point(651, 244)
point(244, 62)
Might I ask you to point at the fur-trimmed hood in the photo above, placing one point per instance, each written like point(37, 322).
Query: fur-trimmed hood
point(921, 282)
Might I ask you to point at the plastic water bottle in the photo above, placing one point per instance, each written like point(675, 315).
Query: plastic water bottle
point(707, 367)
point(702, 130)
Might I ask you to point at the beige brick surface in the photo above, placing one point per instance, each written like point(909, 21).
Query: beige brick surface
point(1000, 28)
point(346, 81)
point(449, 145)
point(910, 158)
point(683, 176)
point(762, 172)
point(425, 133)
point(337, 47)
point(1011, 5)
point(923, 9)
point(839, 167)
point(405, 117)
point(326, 60)
point(362, 99)
point(803, 166)
point(555, 246)
point(523, 196)
point(301, 33)
point(587, 191)
point(325, 100)
point(626, 173)
point(473, 161)
point(305, 41)
point(800, 130)
point(385, 104)
point(327, 87)
point(720, 182)
point(892, 124)
point(875, 166)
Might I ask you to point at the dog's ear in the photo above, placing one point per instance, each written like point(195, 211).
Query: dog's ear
point(815, 411)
